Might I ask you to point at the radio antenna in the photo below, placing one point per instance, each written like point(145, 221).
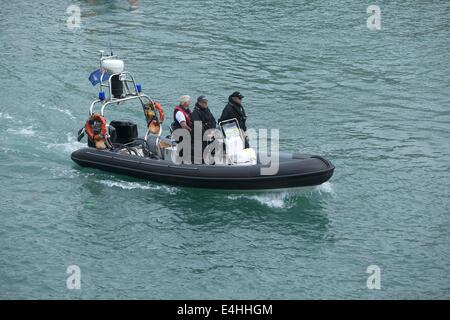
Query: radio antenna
point(110, 48)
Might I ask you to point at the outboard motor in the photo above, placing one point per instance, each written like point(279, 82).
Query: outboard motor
point(115, 66)
point(123, 131)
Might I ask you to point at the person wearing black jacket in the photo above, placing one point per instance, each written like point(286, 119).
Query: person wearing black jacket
point(202, 114)
point(234, 109)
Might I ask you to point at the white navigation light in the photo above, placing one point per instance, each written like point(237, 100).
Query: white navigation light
point(113, 65)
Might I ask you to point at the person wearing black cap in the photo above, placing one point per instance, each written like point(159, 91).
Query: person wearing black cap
point(203, 115)
point(234, 109)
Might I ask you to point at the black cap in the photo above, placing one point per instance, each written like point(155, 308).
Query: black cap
point(202, 98)
point(237, 94)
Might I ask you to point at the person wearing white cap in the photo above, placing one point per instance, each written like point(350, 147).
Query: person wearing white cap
point(182, 114)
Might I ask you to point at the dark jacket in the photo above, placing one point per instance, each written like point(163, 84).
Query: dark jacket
point(234, 110)
point(205, 116)
point(208, 122)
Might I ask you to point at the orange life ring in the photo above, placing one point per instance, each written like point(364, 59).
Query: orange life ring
point(158, 107)
point(89, 130)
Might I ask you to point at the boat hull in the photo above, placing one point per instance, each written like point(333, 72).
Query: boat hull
point(295, 170)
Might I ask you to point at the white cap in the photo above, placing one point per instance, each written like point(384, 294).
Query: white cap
point(185, 99)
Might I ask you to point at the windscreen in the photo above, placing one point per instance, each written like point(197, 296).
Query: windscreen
point(230, 129)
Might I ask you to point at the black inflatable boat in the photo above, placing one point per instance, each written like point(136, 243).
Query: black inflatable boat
point(116, 147)
point(295, 170)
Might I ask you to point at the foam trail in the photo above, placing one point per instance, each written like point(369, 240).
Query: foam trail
point(6, 116)
point(55, 108)
point(63, 173)
point(68, 147)
point(28, 131)
point(326, 187)
point(284, 199)
point(273, 199)
point(126, 185)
